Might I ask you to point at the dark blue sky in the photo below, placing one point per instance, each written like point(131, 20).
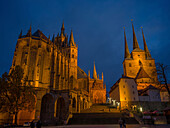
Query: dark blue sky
point(97, 27)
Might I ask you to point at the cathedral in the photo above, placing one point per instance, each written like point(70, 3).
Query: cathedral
point(138, 86)
point(139, 64)
point(51, 67)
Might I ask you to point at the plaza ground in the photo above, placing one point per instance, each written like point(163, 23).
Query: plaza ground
point(110, 126)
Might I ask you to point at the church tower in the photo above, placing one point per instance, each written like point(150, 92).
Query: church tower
point(139, 64)
point(73, 52)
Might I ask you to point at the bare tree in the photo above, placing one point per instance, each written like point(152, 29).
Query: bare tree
point(15, 95)
point(162, 78)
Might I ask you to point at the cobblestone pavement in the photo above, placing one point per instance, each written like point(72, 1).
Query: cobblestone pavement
point(109, 126)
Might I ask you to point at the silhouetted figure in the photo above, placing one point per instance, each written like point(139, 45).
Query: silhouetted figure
point(39, 124)
point(120, 122)
point(32, 124)
point(124, 123)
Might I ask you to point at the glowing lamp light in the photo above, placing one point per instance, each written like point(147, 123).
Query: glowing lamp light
point(141, 109)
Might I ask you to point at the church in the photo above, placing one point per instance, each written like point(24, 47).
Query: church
point(138, 86)
point(51, 67)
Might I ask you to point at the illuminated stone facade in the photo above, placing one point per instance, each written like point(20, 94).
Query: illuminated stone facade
point(139, 75)
point(51, 67)
point(125, 92)
point(139, 64)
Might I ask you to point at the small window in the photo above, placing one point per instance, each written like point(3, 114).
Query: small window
point(132, 86)
point(133, 92)
point(72, 55)
point(124, 92)
point(130, 65)
point(150, 64)
point(138, 55)
point(123, 86)
point(140, 63)
point(73, 50)
point(134, 98)
point(125, 98)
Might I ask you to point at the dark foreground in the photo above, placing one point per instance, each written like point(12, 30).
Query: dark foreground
point(110, 126)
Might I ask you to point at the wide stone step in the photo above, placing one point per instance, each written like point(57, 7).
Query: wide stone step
point(97, 115)
point(81, 121)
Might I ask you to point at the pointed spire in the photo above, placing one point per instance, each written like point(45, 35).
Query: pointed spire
point(29, 32)
point(20, 35)
point(62, 29)
point(94, 72)
point(148, 55)
point(30, 27)
point(135, 42)
point(127, 53)
point(63, 25)
point(71, 39)
point(102, 76)
point(89, 73)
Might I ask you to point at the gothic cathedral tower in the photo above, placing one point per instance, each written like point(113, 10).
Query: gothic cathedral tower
point(139, 64)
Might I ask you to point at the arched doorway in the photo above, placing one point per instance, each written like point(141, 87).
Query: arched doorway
point(60, 109)
point(47, 109)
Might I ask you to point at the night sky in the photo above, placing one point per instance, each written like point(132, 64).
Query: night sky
point(97, 28)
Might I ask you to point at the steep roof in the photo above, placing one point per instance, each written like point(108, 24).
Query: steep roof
point(151, 87)
point(142, 74)
point(80, 73)
point(38, 33)
point(143, 91)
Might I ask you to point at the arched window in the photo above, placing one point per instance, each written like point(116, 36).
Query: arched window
point(74, 102)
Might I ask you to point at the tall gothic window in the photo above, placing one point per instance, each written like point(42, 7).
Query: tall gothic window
point(74, 102)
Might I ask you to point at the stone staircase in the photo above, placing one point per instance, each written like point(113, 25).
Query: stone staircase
point(99, 114)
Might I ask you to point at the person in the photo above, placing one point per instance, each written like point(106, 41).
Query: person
point(120, 122)
point(32, 124)
point(124, 123)
point(39, 124)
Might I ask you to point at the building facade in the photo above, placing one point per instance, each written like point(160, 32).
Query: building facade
point(139, 64)
point(138, 85)
point(51, 67)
